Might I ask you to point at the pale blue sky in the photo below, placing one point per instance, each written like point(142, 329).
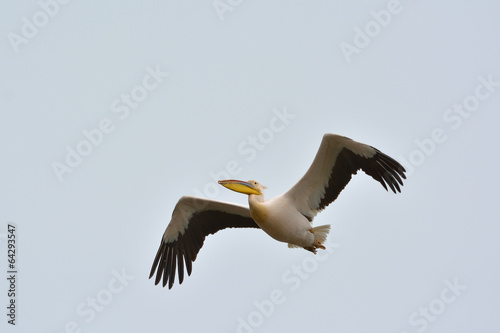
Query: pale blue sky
point(158, 98)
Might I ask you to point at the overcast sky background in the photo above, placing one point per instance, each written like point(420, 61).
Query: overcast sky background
point(425, 260)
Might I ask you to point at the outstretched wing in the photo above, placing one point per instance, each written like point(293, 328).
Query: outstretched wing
point(337, 159)
point(192, 220)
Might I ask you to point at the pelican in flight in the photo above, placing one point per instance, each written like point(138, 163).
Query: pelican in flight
point(286, 218)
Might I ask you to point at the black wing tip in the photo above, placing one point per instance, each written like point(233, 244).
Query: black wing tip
point(161, 265)
point(392, 172)
point(167, 259)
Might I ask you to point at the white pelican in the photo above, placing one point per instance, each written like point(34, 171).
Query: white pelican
point(286, 218)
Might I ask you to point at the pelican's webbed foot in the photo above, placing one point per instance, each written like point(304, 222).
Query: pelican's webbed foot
point(312, 249)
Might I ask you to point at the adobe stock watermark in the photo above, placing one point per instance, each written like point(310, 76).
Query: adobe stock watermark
point(452, 117)
point(380, 20)
point(12, 272)
point(429, 313)
point(31, 25)
point(249, 149)
point(121, 107)
point(291, 279)
point(90, 308)
point(224, 7)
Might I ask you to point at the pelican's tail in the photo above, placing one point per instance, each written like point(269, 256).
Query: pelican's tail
point(321, 232)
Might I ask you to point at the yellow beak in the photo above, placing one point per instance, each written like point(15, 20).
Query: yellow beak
point(239, 186)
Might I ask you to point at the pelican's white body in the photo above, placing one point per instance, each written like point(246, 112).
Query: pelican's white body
point(279, 218)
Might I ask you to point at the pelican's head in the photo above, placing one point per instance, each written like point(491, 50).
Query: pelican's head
point(249, 187)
